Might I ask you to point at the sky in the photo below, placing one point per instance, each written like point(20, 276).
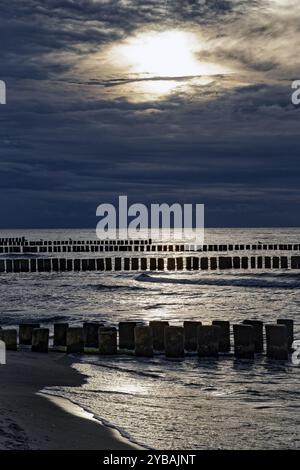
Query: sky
point(184, 101)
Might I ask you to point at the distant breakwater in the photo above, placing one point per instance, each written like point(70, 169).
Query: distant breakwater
point(144, 264)
point(22, 245)
point(141, 256)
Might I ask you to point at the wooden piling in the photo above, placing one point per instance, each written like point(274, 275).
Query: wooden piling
point(40, 340)
point(213, 264)
point(225, 262)
point(90, 334)
point(118, 264)
point(171, 264)
point(60, 334)
point(9, 337)
point(290, 329)
point(153, 265)
point(244, 347)
point(208, 338)
point(224, 344)
point(277, 342)
point(158, 328)
point(75, 343)
point(190, 335)
point(107, 341)
point(143, 337)
point(258, 334)
point(126, 334)
point(174, 341)
point(25, 332)
point(204, 264)
point(179, 264)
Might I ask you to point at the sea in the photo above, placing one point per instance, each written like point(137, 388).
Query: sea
point(188, 403)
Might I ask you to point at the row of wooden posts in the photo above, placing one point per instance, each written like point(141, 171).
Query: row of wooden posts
point(154, 248)
point(133, 245)
point(189, 263)
point(23, 242)
point(95, 249)
point(175, 341)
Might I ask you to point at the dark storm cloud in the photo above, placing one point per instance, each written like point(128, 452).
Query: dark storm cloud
point(31, 29)
point(68, 144)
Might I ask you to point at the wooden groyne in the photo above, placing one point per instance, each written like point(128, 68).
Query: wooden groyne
point(99, 248)
point(250, 338)
point(21, 245)
point(22, 241)
point(143, 264)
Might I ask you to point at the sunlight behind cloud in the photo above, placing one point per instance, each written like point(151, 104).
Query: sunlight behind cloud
point(163, 54)
point(169, 54)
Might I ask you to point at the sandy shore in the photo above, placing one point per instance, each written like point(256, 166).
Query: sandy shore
point(32, 421)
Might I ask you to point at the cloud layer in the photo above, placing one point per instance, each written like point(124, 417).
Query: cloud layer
point(74, 134)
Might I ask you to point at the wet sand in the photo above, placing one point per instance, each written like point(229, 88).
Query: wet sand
point(29, 420)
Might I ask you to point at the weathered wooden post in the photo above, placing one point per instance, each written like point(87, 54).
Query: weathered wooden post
point(277, 342)
point(107, 341)
point(243, 341)
point(174, 341)
point(9, 337)
point(90, 334)
point(153, 265)
point(158, 328)
point(213, 263)
point(204, 264)
point(190, 335)
point(118, 264)
point(108, 264)
point(24, 265)
point(160, 264)
point(143, 337)
point(144, 264)
point(290, 329)
point(60, 334)
point(40, 340)
point(25, 332)
point(171, 264)
point(126, 334)
point(225, 262)
point(224, 345)
point(75, 343)
point(2, 266)
point(208, 338)
point(179, 264)
point(135, 264)
point(258, 334)
point(188, 263)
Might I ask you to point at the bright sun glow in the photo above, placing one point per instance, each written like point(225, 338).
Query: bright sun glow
point(152, 64)
point(170, 53)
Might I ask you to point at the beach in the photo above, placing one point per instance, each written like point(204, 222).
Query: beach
point(31, 421)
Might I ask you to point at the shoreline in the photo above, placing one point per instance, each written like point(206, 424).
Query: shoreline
point(32, 420)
